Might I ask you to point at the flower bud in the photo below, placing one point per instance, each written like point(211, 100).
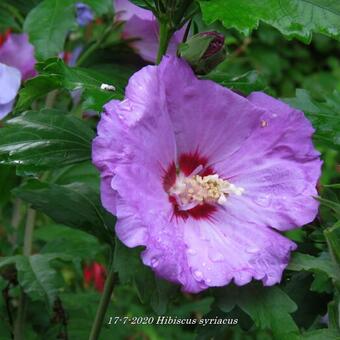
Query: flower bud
point(203, 51)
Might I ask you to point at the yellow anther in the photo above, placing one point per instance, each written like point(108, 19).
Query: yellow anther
point(191, 191)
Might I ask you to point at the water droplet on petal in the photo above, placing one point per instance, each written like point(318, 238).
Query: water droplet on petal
point(208, 280)
point(154, 262)
point(204, 264)
point(216, 256)
point(252, 250)
point(198, 275)
point(191, 251)
point(263, 201)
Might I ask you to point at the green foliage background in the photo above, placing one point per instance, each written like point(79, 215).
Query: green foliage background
point(289, 49)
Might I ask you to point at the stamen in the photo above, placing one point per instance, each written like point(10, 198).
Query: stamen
point(195, 190)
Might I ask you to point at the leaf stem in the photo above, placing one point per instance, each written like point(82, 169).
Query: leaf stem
point(164, 37)
point(103, 304)
point(15, 220)
point(93, 47)
point(29, 227)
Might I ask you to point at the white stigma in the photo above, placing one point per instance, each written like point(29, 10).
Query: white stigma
point(195, 189)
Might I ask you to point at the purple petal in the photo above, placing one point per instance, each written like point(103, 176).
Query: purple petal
point(84, 14)
point(19, 53)
point(125, 10)
point(206, 117)
point(223, 249)
point(5, 109)
point(10, 79)
point(277, 166)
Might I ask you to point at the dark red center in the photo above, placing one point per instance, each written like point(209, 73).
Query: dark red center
point(188, 162)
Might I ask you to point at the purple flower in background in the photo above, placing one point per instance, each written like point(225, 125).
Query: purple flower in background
point(84, 14)
point(10, 79)
point(204, 178)
point(142, 25)
point(16, 51)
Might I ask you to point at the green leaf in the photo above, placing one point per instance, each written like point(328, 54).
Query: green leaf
point(6, 18)
point(44, 139)
point(323, 115)
point(333, 239)
point(24, 5)
point(54, 74)
point(293, 18)
point(48, 24)
point(334, 314)
point(269, 308)
point(76, 205)
point(35, 88)
point(84, 172)
point(161, 295)
point(68, 241)
point(334, 186)
point(245, 83)
point(130, 269)
point(322, 263)
point(8, 180)
point(99, 6)
point(321, 334)
point(126, 261)
point(36, 276)
point(333, 206)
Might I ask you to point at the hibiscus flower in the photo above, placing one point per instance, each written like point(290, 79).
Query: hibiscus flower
point(16, 51)
point(204, 178)
point(16, 63)
point(10, 79)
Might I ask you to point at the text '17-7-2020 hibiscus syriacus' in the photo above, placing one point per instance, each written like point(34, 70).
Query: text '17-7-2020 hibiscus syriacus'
point(204, 178)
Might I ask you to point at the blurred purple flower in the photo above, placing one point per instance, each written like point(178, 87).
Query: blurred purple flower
point(142, 25)
point(205, 178)
point(84, 14)
point(10, 79)
point(16, 51)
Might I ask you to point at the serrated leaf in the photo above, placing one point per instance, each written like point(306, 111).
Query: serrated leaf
point(269, 308)
point(48, 24)
point(84, 172)
point(322, 263)
point(130, 269)
point(333, 239)
point(334, 206)
point(321, 334)
point(44, 139)
point(36, 276)
point(68, 241)
point(323, 115)
point(35, 88)
point(55, 74)
point(245, 83)
point(76, 205)
point(293, 18)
